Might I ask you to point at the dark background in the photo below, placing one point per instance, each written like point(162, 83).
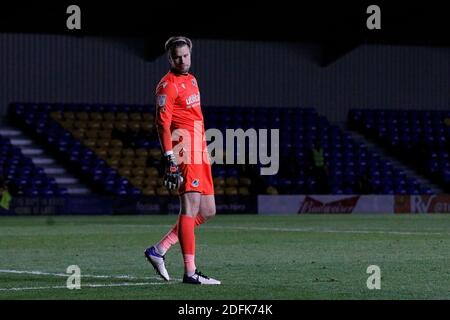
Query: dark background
point(403, 22)
point(306, 54)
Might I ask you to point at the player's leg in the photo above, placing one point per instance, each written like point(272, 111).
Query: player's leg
point(207, 206)
point(198, 181)
point(207, 202)
point(156, 253)
point(171, 238)
point(189, 207)
point(207, 209)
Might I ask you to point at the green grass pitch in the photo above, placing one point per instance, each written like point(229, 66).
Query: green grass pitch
point(255, 257)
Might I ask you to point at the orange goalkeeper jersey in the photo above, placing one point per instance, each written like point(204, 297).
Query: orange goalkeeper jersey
point(178, 107)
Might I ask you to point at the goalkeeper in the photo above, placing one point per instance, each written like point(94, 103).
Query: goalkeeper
point(188, 169)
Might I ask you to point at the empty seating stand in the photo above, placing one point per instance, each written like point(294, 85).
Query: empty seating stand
point(115, 149)
point(23, 176)
point(417, 137)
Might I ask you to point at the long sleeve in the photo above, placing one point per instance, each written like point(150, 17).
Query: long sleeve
point(166, 94)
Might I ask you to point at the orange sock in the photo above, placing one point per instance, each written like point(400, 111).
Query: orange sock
point(171, 237)
point(186, 235)
point(199, 219)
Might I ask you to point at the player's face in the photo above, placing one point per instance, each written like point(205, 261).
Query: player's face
point(181, 59)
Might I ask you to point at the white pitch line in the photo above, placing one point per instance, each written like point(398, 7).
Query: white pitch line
point(41, 273)
point(327, 230)
point(89, 285)
point(306, 230)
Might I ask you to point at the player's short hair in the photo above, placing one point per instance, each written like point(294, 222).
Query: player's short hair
point(176, 42)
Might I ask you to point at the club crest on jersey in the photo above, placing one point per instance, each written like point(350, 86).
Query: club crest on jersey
point(194, 83)
point(195, 183)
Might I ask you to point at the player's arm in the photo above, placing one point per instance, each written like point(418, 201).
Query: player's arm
point(166, 94)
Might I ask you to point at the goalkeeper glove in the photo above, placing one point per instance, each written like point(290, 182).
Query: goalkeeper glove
point(172, 177)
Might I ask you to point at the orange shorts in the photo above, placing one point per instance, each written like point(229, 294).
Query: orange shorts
point(197, 178)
